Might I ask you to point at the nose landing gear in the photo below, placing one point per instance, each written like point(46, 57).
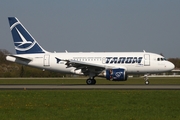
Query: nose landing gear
point(146, 79)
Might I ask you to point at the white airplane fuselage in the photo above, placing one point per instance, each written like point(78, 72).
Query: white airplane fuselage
point(113, 66)
point(127, 60)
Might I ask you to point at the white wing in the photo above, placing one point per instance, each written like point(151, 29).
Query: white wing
point(87, 68)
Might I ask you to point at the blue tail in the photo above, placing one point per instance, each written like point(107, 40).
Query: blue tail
point(23, 41)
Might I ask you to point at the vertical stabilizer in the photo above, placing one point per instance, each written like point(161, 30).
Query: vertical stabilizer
point(23, 41)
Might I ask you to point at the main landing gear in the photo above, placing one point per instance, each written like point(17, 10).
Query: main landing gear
point(146, 79)
point(91, 81)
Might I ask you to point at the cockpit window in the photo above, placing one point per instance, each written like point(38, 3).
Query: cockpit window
point(161, 59)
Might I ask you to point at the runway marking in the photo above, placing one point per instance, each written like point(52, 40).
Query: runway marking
point(87, 87)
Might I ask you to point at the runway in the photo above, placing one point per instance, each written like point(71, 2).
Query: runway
point(88, 87)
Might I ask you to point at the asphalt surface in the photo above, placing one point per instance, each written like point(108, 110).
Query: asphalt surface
point(88, 87)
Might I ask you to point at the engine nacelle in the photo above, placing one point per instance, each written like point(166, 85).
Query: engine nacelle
point(117, 74)
point(77, 72)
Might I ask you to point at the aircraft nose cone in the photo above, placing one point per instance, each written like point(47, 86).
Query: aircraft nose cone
point(171, 66)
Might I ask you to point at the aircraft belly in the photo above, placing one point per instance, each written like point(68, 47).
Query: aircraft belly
point(61, 68)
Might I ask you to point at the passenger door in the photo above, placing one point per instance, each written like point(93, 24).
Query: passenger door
point(46, 60)
point(146, 60)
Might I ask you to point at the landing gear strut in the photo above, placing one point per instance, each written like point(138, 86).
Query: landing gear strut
point(91, 81)
point(146, 79)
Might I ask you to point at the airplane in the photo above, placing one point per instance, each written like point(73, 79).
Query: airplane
point(114, 66)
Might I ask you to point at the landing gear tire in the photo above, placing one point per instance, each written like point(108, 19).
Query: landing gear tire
point(147, 82)
point(94, 81)
point(91, 81)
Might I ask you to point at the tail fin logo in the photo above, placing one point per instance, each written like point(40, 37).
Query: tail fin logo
point(24, 41)
point(21, 43)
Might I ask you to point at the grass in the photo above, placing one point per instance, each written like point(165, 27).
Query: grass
point(137, 80)
point(90, 104)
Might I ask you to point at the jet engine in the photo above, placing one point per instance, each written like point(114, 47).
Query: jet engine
point(118, 74)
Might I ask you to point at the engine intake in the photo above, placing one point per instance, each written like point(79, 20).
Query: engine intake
point(116, 74)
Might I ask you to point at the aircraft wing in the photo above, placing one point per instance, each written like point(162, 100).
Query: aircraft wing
point(80, 64)
point(87, 68)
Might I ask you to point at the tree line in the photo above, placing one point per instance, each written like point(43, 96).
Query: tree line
point(10, 69)
point(176, 62)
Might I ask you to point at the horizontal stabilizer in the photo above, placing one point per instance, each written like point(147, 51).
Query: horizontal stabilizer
point(15, 57)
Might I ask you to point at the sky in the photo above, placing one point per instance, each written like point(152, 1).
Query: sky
point(96, 25)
